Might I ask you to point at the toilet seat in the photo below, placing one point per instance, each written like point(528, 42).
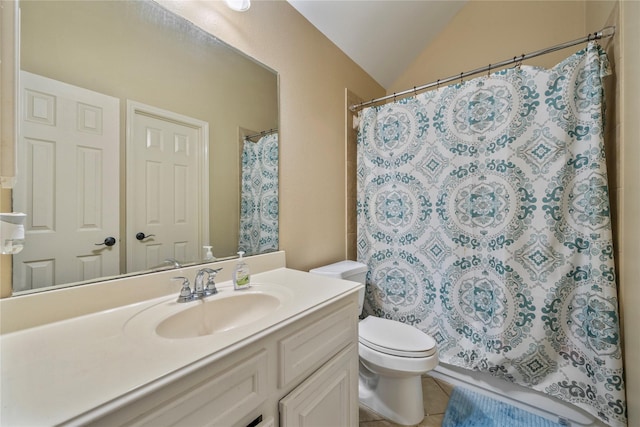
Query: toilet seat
point(395, 338)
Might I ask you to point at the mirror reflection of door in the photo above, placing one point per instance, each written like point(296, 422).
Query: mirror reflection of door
point(167, 201)
point(68, 183)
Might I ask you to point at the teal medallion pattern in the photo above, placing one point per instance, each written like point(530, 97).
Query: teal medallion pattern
point(399, 208)
point(486, 204)
point(487, 303)
point(483, 216)
point(485, 115)
point(573, 93)
point(259, 212)
point(399, 133)
point(576, 202)
point(405, 286)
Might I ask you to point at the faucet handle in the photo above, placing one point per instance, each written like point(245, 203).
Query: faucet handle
point(211, 289)
point(185, 292)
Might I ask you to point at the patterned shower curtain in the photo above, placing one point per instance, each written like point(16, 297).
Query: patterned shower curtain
point(483, 215)
point(259, 196)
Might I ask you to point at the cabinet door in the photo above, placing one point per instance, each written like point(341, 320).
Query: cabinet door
point(329, 397)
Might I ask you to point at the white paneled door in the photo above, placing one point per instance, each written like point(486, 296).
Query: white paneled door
point(167, 187)
point(68, 184)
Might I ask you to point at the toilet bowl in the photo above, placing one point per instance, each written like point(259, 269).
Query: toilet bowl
point(393, 357)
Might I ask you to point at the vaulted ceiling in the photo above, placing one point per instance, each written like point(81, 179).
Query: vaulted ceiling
point(382, 36)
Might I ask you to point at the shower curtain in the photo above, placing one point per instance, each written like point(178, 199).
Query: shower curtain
point(259, 196)
point(483, 215)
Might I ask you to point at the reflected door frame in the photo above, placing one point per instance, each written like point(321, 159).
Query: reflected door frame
point(151, 251)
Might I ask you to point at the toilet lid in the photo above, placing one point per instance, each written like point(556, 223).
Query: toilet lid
point(395, 338)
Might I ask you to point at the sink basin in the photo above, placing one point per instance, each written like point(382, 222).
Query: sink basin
point(213, 315)
point(225, 315)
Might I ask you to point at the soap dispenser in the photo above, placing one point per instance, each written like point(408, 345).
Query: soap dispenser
point(208, 256)
point(241, 274)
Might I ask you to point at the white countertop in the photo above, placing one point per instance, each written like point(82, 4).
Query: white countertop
point(88, 365)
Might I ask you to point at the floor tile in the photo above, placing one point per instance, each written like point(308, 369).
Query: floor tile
point(367, 414)
point(435, 399)
point(432, 421)
point(446, 387)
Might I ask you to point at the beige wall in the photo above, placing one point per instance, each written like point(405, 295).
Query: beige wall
point(628, 130)
point(491, 31)
point(313, 76)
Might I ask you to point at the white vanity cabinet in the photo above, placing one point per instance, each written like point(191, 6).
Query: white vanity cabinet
point(301, 372)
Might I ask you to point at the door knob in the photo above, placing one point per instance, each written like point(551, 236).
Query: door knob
point(141, 236)
point(109, 241)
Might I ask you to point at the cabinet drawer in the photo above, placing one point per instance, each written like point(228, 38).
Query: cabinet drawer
point(219, 398)
point(306, 349)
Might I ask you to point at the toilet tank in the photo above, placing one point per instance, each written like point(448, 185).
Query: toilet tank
point(346, 270)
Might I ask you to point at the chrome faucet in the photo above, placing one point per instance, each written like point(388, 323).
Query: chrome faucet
point(199, 289)
point(173, 261)
point(164, 265)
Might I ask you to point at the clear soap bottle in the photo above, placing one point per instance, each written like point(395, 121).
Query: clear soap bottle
point(241, 274)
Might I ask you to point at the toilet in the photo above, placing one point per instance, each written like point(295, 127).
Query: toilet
point(393, 357)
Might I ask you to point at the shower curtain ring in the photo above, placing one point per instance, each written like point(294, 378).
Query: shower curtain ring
point(415, 93)
point(438, 84)
point(461, 81)
point(489, 71)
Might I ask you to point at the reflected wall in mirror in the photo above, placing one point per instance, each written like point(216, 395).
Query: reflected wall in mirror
point(132, 129)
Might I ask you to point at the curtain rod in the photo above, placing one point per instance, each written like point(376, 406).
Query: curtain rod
point(263, 133)
point(604, 33)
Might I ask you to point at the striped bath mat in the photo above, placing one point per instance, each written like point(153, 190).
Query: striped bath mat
point(469, 409)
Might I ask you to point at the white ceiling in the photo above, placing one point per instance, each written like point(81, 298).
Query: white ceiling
point(382, 36)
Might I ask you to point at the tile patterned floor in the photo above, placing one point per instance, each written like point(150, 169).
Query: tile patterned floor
point(436, 396)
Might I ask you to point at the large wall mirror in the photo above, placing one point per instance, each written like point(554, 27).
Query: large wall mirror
point(142, 140)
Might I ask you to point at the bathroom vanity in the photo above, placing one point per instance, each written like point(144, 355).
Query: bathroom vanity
point(281, 353)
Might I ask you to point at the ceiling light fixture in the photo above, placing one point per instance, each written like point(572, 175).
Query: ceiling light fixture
point(239, 5)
